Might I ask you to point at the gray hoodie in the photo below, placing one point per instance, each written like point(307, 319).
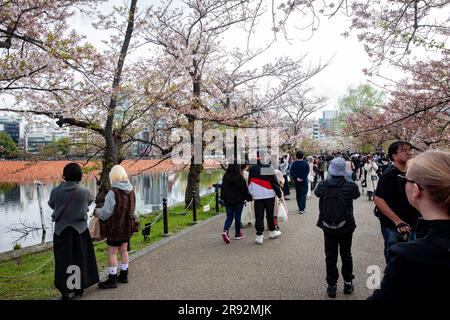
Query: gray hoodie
point(75, 215)
point(107, 210)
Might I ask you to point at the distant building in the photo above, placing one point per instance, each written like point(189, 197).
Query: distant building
point(37, 140)
point(316, 129)
point(78, 135)
point(328, 123)
point(41, 133)
point(11, 125)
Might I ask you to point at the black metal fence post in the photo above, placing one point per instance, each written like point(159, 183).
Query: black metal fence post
point(194, 207)
point(216, 187)
point(166, 223)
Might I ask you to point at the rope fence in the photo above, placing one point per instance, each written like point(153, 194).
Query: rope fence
point(31, 272)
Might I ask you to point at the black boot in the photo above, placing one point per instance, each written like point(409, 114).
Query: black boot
point(331, 291)
point(123, 276)
point(348, 287)
point(67, 296)
point(79, 292)
point(111, 283)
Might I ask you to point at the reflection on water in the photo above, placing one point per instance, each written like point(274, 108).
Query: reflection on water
point(19, 204)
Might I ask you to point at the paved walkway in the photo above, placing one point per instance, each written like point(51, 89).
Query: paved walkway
point(198, 265)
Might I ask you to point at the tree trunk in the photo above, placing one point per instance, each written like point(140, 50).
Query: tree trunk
point(111, 157)
point(113, 138)
point(193, 184)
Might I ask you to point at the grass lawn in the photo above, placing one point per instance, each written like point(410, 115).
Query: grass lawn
point(39, 284)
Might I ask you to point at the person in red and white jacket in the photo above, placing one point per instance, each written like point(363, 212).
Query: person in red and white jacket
point(264, 186)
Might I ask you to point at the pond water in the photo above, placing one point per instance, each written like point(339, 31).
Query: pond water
point(19, 203)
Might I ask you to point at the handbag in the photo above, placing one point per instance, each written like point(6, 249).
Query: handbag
point(94, 228)
point(134, 224)
point(282, 213)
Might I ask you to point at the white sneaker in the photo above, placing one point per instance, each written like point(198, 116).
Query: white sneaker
point(274, 234)
point(259, 239)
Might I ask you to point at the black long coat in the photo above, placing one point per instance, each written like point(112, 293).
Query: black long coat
point(419, 269)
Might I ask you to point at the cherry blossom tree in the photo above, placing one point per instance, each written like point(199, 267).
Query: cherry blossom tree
point(397, 34)
point(418, 109)
point(187, 73)
point(51, 71)
point(295, 108)
point(215, 83)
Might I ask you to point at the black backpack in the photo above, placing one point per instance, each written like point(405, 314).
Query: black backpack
point(334, 213)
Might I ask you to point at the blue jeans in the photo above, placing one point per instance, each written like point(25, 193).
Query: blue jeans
point(391, 237)
point(233, 212)
point(301, 190)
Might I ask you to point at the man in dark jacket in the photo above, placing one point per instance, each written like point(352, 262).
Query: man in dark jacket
point(264, 186)
point(398, 217)
point(341, 234)
point(299, 172)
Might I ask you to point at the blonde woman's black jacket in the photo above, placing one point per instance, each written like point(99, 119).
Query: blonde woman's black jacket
point(419, 269)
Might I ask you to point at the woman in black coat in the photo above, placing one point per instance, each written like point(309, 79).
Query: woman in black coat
point(420, 269)
point(234, 194)
point(75, 262)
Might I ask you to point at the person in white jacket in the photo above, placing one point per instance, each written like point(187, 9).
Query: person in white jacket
point(310, 176)
point(282, 181)
point(284, 165)
point(248, 215)
point(372, 178)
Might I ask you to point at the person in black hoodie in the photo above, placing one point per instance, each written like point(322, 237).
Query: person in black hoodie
point(234, 194)
point(420, 269)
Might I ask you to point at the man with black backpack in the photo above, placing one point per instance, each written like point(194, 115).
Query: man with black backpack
point(338, 223)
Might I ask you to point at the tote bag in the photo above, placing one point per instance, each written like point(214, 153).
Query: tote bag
point(282, 212)
point(94, 228)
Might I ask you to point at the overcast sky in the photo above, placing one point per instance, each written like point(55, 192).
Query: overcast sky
point(344, 70)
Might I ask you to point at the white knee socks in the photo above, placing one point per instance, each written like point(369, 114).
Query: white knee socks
point(112, 270)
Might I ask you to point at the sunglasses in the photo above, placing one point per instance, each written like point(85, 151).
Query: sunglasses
point(405, 179)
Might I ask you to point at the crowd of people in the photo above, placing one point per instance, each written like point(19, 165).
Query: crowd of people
point(411, 197)
point(403, 205)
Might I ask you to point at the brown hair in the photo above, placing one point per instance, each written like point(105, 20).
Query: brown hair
point(431, 170)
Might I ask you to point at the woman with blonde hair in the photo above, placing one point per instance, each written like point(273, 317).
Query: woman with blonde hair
point(420, 269)
point(118, 214)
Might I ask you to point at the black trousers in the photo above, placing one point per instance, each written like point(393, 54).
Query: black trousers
point(322, 175)
point(262, 205)
point(343, 242)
